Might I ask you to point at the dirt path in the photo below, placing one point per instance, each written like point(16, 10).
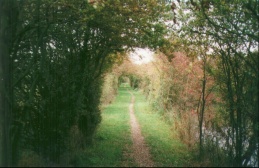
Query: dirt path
point(141, 153)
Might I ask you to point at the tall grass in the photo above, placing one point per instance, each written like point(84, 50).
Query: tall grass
point(165, 148)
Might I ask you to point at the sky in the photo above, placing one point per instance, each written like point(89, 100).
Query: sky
point(141, 56)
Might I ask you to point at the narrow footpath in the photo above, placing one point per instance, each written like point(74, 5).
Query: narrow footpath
point(141, 153)
point(129, 133)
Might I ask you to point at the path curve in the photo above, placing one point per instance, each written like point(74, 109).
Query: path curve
point(141, 152)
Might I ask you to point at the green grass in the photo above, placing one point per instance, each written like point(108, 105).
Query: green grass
point(125, 85)
point(112, 136)
point(165, 149)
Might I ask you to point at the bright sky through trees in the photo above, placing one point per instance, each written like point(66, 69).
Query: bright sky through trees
point(141, 55)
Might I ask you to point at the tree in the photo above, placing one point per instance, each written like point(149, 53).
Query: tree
point(58, 54)
point(8, 18)
point(232, 28)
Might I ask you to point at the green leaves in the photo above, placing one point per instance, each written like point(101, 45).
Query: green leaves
point(59, 53)
point(229, 29)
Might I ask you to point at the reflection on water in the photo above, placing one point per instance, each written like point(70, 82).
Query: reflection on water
point(223, 141)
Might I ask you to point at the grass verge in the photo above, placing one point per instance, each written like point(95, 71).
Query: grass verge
point(165, 149)
point(112, 137)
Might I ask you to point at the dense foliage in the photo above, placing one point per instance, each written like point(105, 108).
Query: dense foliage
point(55, 55)
point(229, 29)
point(57, 67)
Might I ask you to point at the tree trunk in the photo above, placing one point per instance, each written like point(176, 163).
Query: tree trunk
point(201, 118)
point(5, 108)
point(8, 16)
